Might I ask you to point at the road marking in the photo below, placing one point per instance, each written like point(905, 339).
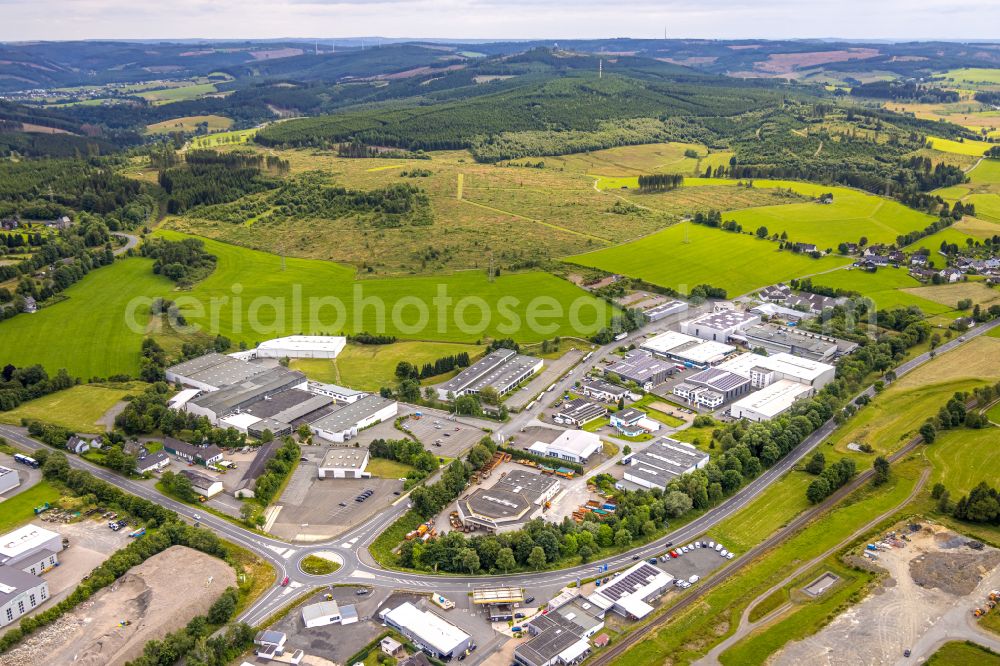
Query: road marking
point(288, 553)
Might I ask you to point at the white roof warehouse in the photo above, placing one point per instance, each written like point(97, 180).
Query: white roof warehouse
point(428, 631)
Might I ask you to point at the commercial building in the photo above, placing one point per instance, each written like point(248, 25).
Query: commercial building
point(573, 445)
point(633, 422)
point(20, 592)
point(719, 326)
point(345, 423)
point(152, 462)
point(712, 387)
point(323, 613)
point(664, 310)
point(555, 641)
point(775, 339)
point(578, 411)
point(630, 592)
point(500, 600)
point(428, 631)
point(502, 369)
point(642, 368)
point(269, 644)
point(212, 371)
point(31, 548)
point(763, 370)
point(302, 346)
point(515, 499)
point(771, 401)
point(340, 394)
point(201, 455)
point(598, 389)
point(238, 397)
point(344, 464)
point(659, 463)
point(8, 480)
point(277, 412)
point(688, 350)
point(773, 311)
point(202, 483)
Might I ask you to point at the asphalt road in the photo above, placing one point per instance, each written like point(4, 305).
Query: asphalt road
point(352, 546)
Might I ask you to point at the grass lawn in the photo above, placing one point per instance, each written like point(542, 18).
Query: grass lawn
point(955, 653)
point(991, 622)
point(994, 413)
point(780, 503)
point(388, 469)
point(319, 566)
point(19, 509)
point(190, 124)
point(962, 458)
point(77, 408)
point(370, 367)
point(685, 255)
point(664, 418)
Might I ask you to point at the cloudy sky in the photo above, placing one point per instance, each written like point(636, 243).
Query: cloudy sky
point(498, 19)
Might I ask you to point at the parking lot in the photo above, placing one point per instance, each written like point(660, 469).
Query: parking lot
point(310, 508)
point(698, 562)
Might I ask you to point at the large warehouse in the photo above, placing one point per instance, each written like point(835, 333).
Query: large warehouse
point(642, 368)
point(212, 371)
point(573, 445)
point(237, 397)
point(771, 401)
point(792, 340)
point(31, 548)
point(688, 349)
point(502, 369)
point(659, 463)
point(345, 423)
point(515, 499)
point(763, 370)
point(302, 346)
point(428, 631)
point(631, 591)
point(344, 464)
point(720, 326)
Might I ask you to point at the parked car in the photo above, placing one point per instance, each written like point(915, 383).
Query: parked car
point(730, 556)
point(718, 547)
point(343, 504)
point(635, 557)
point(711, 544)
point(361, 592)
point(694, 579)
point(529, 600)
point(723, 552)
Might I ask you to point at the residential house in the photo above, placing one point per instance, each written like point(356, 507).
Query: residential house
point(153, 462)
point(201, 455)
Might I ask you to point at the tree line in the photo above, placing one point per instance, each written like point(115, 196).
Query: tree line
point(407, 370)
point(660, 182)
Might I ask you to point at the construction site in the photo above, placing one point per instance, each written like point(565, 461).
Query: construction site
point(936, 586)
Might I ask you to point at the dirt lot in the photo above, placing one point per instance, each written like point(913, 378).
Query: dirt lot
point(933, 584)
point(157, 597)
point(90, 543)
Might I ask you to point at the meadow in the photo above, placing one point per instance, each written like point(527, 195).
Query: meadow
point(370, 367)
point(951, 294)
point(190, 124)
point(644, 158)
point(178, 94)
point(963, 458)
point(78, 408)
point(977, 78)
point(956, 653)
point(887, 287)
point(685, 255)
point(218, 139)
point(19, 509)
point(967, 147)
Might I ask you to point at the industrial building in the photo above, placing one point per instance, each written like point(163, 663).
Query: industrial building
point(659, 463)
point(664, 310)
point(688, 350)
point(212, 371)
point(771, 401)
point(642, 368)
point(502, 369)
point(633, 422)
point(773, 311)
point(712, 388)
point(578, 411)
point(428, 631)
point(20, 592)
point(277, 412)
point(514, 499)
point(302, 346)
point(202, 483)
point(719, 326)
point(630, 592)
point(345, 423)
point(340, 394)
point(237, 397)
point(598, 389)
point(201, 455)
point(31, 548)
point(256, 469)
point(555, 641)
point(573, 445)
point(775, 339)
point(763, 370)
point(8, 480)
point(323, 613)
point(344, 464)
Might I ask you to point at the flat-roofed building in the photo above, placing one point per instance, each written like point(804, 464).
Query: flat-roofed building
point(775, 339)
point(631, 592)
point(762, 370)
point(728, 386)
point(771, 401)
point(212, 371)
point(665, 342)
point(633, 422)
point(719, 326)
point(428, 631)
point(598, 389)
point(302, 346)
point(573, 445)
point(31, 548)
point(642, 368)
point(238, 397)
point(775, 311)
point(688, 350)
point(555, 641)
point(345, 423)
point(344, 464)
point(661, 462)
point(20, 593)
point(664, 310)
point(8, 480)
point(578, 411)
point(501, 369)
point(340, 394)
point(515, 499)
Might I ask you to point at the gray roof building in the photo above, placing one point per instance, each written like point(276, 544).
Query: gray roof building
point(579, 411)
point(659, 463)
point(792, 340)
point(212, 371)
point(642, 368)
point(512, 500)
point(554, 640)
point(344, 423)
point(241, 395)
point(502, 369)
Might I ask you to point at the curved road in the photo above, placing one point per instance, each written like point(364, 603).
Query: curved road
point(360, 568)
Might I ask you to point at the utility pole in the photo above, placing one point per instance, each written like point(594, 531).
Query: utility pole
point(600, 68)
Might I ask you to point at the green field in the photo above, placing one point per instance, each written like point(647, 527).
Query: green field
point(77, 408)
point(190, 124)
point(884, 287)
point(777, 505)
point(955, 653)
point(962, 458)
point(969, 77)
point(967, 147)
point(388, 469)
point(234, 137)
point(19, 509)
point(630, 160)
point(685, 255)
point(178, 94)
point(370, 367)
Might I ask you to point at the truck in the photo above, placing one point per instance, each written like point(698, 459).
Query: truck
point(621, 336)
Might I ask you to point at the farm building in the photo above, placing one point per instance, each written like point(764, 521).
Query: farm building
point(20, 592)
point(516, 498)
point(31, 548)
point(775, 339)
point(664, 310)
point(573, 445)
point(659, 463)
point(344, 464)
point(345, 423)
point(719, 326)
point(153, 462)
point(633, 422)
point(428, 631)
point(598, 389)
point(578, 411)
point(642, 368)
point(201, 455)
point(502, 369)
point(763, 370)
point(340, 394)
point(202, 483)
point(8, 480)
point(632, 590)
point(771, 401)
point(302, 346)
